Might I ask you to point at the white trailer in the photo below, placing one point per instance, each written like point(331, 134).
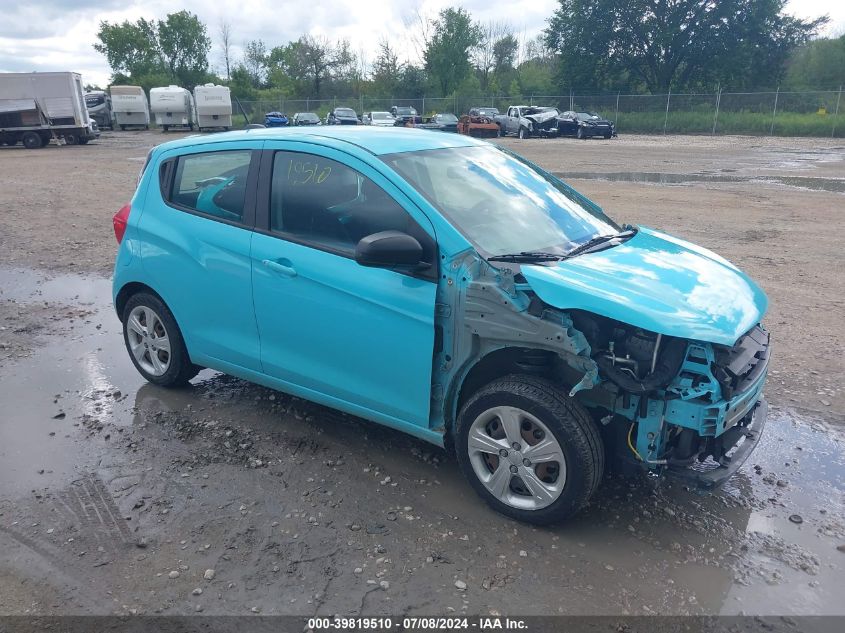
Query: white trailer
point(214, 106)
point(173, 107)
point(98, 103)
point(37, 107)
point(129, 106)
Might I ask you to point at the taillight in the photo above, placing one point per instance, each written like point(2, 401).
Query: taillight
point(119, 221)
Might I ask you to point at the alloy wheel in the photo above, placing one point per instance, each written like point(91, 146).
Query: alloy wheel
point(148, 340)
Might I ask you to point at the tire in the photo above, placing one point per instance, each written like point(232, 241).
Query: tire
point(83, 140)
point(71, 139)
point(524, 133)
point(607, 136)
point(580, 134)
point(31, 140)
point(538, 406)
point(164, 128)
point(145, 313)
point(122, 128)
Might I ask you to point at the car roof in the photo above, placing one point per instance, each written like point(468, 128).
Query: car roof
point(375, 140)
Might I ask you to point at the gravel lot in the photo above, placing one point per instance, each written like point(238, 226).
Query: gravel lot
point(117, 497)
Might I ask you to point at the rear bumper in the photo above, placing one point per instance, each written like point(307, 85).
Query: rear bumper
point(748, 432)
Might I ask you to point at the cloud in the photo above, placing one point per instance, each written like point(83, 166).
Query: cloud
point(53, 35)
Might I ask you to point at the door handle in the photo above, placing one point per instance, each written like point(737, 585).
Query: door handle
point(282, 267)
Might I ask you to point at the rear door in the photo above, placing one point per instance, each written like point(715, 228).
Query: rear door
point(197, 236)
point(357, 338)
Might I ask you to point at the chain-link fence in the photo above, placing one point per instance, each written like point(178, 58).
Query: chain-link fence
point(779, 113)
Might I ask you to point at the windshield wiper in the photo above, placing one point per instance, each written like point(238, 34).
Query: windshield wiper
point(526, 256)
point(599, 239)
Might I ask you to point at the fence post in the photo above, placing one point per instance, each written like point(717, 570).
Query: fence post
point(307, 103)
point(616, 118)
point(836, 114)
point(423, 106)
point(571, 100)
point(774, 112)
point(718, 101)
point(666, 118)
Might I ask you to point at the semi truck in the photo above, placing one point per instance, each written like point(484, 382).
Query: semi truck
point(214, 107)
point(98, 103)
point(173, 107)
point(38, 107)
point(130, 107)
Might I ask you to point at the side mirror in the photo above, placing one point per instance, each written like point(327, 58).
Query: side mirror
point(387, 249)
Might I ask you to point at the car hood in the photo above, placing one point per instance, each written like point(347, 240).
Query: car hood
point(542, 117)
point(656, 282)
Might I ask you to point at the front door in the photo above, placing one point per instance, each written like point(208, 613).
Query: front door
point(357, 338)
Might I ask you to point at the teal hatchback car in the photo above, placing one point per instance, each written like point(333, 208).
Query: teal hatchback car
point(448, 288)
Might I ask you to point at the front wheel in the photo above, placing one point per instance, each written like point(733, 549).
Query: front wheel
point(155, 343)
point(580, 134)
point(524, 133)
point(529, 450)
point(31, 140)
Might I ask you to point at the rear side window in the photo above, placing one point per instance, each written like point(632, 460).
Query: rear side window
point(212, 183)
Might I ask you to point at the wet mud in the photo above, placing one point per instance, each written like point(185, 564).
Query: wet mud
point(117, 496)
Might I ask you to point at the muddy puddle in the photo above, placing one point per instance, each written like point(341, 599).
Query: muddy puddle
point(117, 496)
point(835, 185)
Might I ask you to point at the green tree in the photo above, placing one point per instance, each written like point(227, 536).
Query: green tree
point(818, 64)
point(154, 53)
point(674, 44)
point(386, 70)
point(184, 45)
point(255, 62)
point(131, 48)
point(447, 54)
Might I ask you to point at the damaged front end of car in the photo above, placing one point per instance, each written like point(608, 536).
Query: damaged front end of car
point(660, 339)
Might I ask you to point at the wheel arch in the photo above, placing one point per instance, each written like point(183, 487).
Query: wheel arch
point(132, 288)
point(495, 364)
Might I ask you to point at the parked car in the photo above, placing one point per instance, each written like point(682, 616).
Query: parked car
point(306, 118)
point(527, 121)
point(379, 119)
point(584, 125)
point(276, 119)
point(444, 287)
point(342, 116)
point(483, 111)
point(404, 114)
point(480, 122)
point(446, 122)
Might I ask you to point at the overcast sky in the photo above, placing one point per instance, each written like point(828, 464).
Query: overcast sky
point(58, 34)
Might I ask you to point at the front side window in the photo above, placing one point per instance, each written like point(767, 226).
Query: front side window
point(213, 183)
point(321, 202)
point(500, 202)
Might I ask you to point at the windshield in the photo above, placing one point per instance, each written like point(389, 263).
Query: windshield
point(344, 112)
point(381, 116)
point(502, 203)
point(449, 118)
point(585, 116)
point(94, 100)
point(487, 111)
point(308, 117)
point(404, 110)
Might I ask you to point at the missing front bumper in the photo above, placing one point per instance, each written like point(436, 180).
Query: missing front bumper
point(712, 475)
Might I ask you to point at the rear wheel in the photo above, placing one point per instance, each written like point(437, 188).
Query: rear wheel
point(83, 140)
point(31, 140)
point(529, 450)
point(122, 128)
point(71, 139)
point(155, 343)
point(164, 128)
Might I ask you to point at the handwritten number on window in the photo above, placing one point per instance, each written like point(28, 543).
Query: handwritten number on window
point(307, 172)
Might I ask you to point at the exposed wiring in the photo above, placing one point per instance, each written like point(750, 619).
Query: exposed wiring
point(630, 445)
